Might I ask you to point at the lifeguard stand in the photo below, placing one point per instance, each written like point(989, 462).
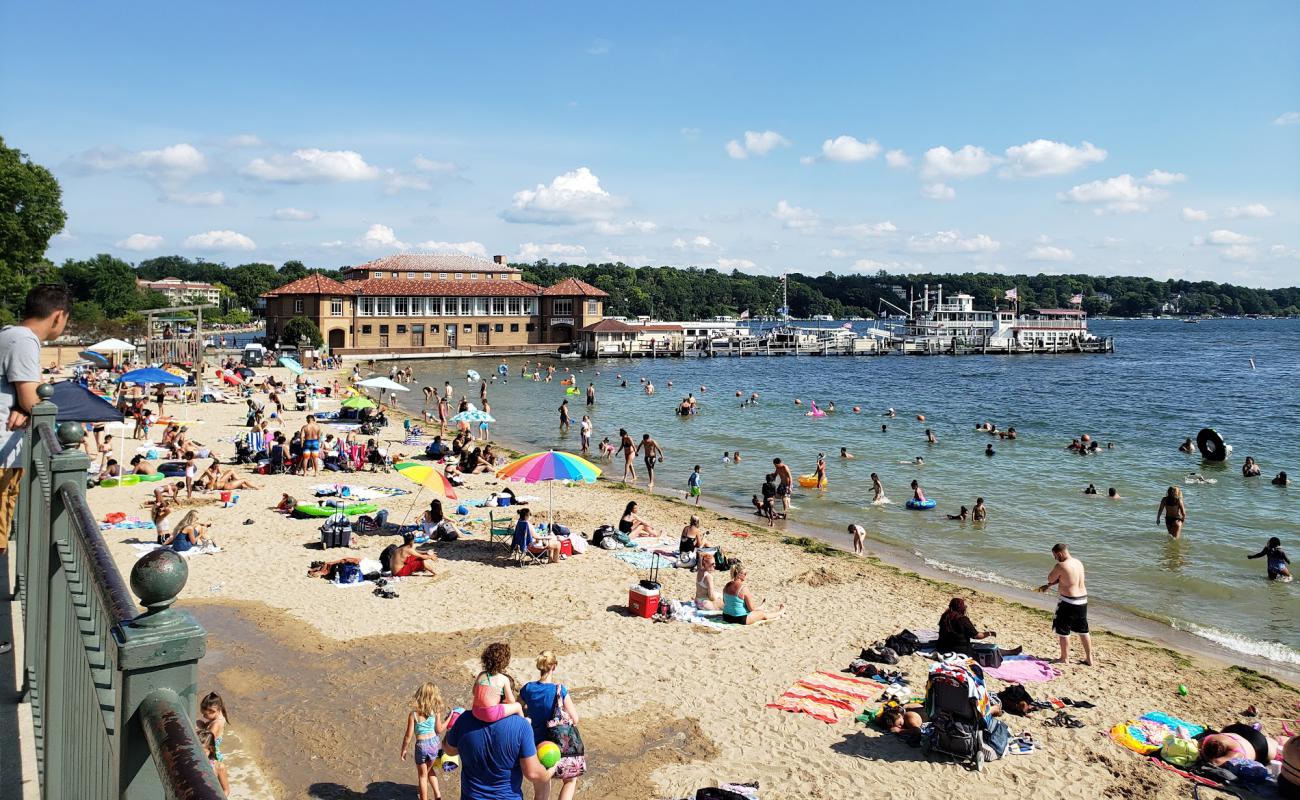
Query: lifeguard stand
point(186, 349)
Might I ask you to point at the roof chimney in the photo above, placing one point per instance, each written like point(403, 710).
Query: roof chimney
point(499, 260)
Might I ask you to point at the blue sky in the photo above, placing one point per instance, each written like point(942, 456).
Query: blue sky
point(1158, 139)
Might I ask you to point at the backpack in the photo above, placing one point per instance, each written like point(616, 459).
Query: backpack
point(955, 736)
point(720, 562)
point(904, 643)
point(386, 558)
point(880, 654)
point(986, 655)
point(348, 573)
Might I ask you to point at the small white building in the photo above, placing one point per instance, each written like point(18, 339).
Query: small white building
point(180, 292)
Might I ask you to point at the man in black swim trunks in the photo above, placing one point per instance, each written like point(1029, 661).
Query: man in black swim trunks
point(1072, 609)
point(652, 453)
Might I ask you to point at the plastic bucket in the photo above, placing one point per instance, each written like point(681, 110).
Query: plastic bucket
point(225, 497)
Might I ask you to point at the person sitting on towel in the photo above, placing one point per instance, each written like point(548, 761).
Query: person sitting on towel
point(956, 631)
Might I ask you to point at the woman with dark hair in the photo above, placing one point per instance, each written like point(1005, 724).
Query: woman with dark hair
point(956, 631)
point(632, 525)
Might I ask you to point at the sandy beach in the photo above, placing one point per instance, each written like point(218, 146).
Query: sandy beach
point(317, 677)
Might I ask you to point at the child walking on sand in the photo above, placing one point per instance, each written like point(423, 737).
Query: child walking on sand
point(427, 722)
point(693, 485)
point(494, 694)
point(212, 720)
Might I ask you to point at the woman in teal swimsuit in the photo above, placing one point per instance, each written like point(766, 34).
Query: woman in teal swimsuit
point(738, 606)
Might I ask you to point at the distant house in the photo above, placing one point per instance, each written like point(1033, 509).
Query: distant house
point(181, 292)
point(416, 303)
point(616, 337)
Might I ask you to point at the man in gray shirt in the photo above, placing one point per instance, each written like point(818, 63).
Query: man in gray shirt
point(45, 314)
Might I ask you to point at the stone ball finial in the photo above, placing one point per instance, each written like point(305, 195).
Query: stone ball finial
point(70, 433)
point(158, 578)
point(45, 391)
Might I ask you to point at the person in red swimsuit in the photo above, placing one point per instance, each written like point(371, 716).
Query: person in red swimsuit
point(410, 561)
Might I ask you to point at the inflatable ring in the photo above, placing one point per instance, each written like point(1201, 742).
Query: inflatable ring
point(1211, 445)
point(808, 481)
point(313, 510)
point(172, 469)
point(108, 483)
point(129, 480)
point(920, 505)
point(152, 477)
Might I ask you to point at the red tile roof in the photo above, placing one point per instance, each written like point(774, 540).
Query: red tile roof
point(609, 326)
point(397, 287)
point(572, 287)
point(314, 283)
point(434, 262)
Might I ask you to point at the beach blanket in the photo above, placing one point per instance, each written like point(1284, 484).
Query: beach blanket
point(1146, 734)
point(641, 559)
point(145, 548)
point(685, 611)
point(826, 695)
point(1022, 669)
point(126, 525)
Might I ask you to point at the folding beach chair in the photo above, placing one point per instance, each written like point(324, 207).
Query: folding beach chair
point(502, 533)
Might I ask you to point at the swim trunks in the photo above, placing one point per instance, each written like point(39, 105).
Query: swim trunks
point(311, 445)
point(409, 566)
point(695, 491)
point(426, 750)
point(1070, 618)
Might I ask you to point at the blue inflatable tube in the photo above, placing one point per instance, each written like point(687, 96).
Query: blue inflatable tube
point(917, 505)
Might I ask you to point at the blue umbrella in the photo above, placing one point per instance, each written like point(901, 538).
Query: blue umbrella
point(78, 404)
point(292, 365)
point(99, 359)
point(150, 375)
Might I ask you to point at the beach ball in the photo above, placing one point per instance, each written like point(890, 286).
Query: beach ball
point(857, 410)
point(549, 754)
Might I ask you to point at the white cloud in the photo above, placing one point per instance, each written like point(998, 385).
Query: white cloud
point(530, 251)
point(1195, 215)
point(570, 198)
point(1158, 177)
point(952, 242)
point(1048, 252)
point(870, 265)
point(1238, 252)
point(1288, 118)
point(794, 217)
point(867, 230)
point(1257, 210)
point(244, 140)
point(898, 159)
point(938, 191)
point(1045, 157)
point(396, 182)
point(141, 241)
point(625, 228)
point(1222, 237)
point(1282, 251)
point(735, 263)
point(380, 237)
point(219, 240)
point(756, 144)
point(835, 252)
point(849, 149)
point(969, 161)
point(293, 215)
point(437, 167)
point(697, 243)
point(471, 248)
point(1121, 195)
point(173, 163)
point(197, 198)
point(312, 165)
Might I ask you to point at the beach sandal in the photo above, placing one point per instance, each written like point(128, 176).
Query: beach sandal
point(1021, 745)
point(1063, 720)
point(386, 592)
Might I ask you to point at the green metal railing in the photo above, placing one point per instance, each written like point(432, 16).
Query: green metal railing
point(112, 690)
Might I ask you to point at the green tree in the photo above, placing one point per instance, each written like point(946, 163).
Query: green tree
point(1096, 305)
point(299, 327)
point(31, 213)
point(292, 271)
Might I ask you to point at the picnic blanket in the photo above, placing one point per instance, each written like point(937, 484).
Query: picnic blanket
point(145, 548)
point(1022, 669)
point(825, 695)
point(1147, 733)
point(641, 559)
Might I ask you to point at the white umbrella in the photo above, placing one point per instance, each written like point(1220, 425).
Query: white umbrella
point(112, 346)
point(380, 382)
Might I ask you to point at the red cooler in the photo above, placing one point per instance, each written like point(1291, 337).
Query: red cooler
point(643, 602)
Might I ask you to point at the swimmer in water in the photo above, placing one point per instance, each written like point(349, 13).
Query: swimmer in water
point(929, 437)
point(1280, 480)
point(962, 515)
point(1173, 510)
point(878, 489)
point(890, 413)
point(884, 428)
point(735, 457)
point(726, 457)
point(844, 453)
point(979, 513)
point(830, 406)
point(989, 451)
point(1277, 560)
point(1250, 469)
point(1196, 477)
point(1113, 493)
point(920, 462)
point(1187, 446)
point(1092, 489)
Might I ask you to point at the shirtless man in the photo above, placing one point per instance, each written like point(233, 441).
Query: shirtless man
point(409, 561)
point(628, 449)
point(652, 454)
point(784, 481)
point(311, 436)
point(1072, 609)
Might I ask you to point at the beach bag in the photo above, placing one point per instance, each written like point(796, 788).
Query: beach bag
point(720, 561)
point(905, 643)
point(879, 654)
point(1179, 752)
point(986, 655)
point(348, 573)
point(714, 793)
point(386, 558)
point(623, 539)
point(955, 736)
point(115, 517)
point(561, 730)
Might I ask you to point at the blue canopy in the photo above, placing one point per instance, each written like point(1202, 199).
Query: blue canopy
point(150, 375)
point(78, 404)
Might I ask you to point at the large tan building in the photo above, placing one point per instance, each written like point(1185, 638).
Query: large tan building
point(180, 292)
point(411, 304)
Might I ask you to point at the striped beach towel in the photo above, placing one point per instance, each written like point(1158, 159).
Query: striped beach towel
point(823, 695)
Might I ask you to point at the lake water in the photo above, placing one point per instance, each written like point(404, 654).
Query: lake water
point(1165, 381)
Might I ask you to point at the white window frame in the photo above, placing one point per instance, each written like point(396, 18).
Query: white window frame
point(383, 306)
point(530, 306)
point(400, 306)
point(512, 306)
point(460, 275)
point(336, 306)
point(593, 308)
point(498, 306)
point(473, 276)
point(416, 307)
point(428, 275)
point(410, 276)
point(367, 307)
point(467, 306)
point(442, 276)
point(298, 305)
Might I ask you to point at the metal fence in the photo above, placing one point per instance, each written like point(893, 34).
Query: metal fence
point(112, 690)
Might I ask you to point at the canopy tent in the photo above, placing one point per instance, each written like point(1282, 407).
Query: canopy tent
point(78, 404)
point(380, 382)
point(150, 375)
point(112, 346)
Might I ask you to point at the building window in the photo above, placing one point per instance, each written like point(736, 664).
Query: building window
point(433, 329)
point(469, 329)
point(297, 306)
point(399, 306)
point(562, 307)
point(410, 276)
point(460, 275)
point(498, 306)
point(514, 327)
point(499, 328)
point(367, 307)
point(401, 329)
point(366, 329)
point(529, 306)
point(433, 306)
point(513, 305)
point(481, 306)
point(529, 327)
point(383, 330)
point(428, 275)
point(593, 308)
point(442, 276)
point(467, 307)
point(336, 306)
point(383, 306)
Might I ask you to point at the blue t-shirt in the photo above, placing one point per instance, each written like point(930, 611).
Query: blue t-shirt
point(489, 756)
point(538, 699)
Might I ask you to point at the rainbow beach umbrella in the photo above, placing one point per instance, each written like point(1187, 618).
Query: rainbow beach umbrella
point(550, 466)
point(427, 476)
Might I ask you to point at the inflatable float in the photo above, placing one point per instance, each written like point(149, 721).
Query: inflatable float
point(314, 510)
point(152, 477)
point(920, 505)
point(809, 481)
point(1211, 445)
point(816, 412)
point(172, 469)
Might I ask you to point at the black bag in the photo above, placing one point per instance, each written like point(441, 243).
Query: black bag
point(986, 655)
point(954, 736)
point(880, 654)
point(561, 730)
point(1015, 699)
point(713, 793)
point(905, 643)
point(652, 581)
point(386, 557)
point(336, 532)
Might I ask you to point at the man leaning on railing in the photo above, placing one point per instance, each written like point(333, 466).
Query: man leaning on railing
point(45, 314)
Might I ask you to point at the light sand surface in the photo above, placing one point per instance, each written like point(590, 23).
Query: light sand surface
point(317, 677)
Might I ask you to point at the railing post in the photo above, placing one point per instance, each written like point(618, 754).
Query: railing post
point(160, 649)
point(61, 626)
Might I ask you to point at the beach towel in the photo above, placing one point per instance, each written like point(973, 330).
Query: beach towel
point(825, 695)
point(1022, 669)
point(145, 548)
point(129, 524)
point(1146, 734)
point(641, 559)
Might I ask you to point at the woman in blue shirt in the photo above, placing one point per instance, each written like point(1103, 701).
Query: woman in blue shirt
point(539, 698)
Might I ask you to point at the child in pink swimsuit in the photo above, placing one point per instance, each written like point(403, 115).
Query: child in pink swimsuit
point(494, 696)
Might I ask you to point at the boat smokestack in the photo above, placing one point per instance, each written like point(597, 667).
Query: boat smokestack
point(939, 302)
point(925, 303)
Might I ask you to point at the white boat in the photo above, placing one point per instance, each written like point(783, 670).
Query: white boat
point(956, 325)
